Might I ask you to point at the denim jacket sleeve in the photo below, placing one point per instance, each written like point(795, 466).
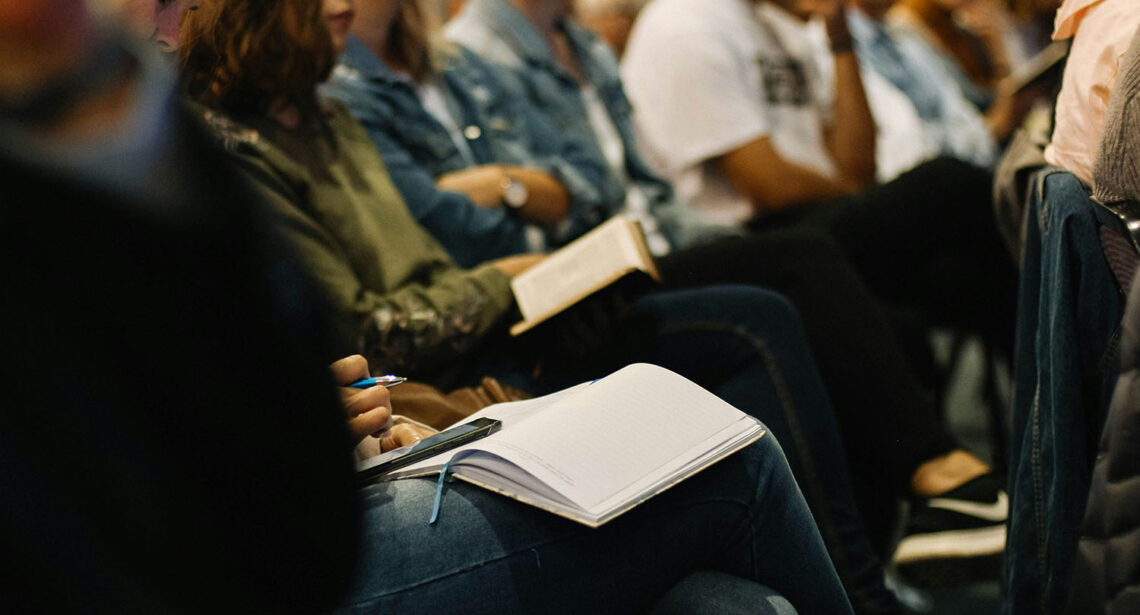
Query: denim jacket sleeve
point(470, 233)
point(579, 171)
point(578, 167)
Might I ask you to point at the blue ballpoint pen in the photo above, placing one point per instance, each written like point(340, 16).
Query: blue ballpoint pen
point(388, 381)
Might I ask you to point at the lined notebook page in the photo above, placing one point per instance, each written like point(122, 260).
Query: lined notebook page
point(615, 432)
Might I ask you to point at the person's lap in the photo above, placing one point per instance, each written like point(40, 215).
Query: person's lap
point(926, 240)
point(488, 554)
point(884, 413)
point(746, 345)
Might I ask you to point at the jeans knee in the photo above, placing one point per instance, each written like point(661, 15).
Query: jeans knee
point(764, 313)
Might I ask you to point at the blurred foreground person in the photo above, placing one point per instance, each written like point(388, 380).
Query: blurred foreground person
point(170, 439)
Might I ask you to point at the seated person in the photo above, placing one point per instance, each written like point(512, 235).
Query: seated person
point(950, 123)
point(170, 440)
point(767, 151)
point(468, 205)
point(733, 518)
point(236, 477)
point(413, 311)
point(972, 35)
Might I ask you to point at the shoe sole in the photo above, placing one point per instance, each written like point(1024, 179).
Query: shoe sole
point(951, 544)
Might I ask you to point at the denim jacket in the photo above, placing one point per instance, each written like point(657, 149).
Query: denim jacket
point(498, 128)
point(501, 34)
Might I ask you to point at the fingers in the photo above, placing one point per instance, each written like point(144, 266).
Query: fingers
point(402, 435)
point(369, 410)
point(349, 369)
point(359, 401)
point(514, 265)
point(371, 422)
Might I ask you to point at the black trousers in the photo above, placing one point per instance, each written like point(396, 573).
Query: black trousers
point(923, 244)
point(889, 422)
point(927, 241)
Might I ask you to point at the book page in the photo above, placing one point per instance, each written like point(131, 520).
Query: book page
point(582, 267)
point(1039, 66)
point(683, 464)
point(509, 413)
point(628, 427)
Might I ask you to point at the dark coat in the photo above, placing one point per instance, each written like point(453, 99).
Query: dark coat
point(1107, 571)
point(170, 441)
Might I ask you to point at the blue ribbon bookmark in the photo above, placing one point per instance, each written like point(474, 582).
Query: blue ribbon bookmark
point(439, 484)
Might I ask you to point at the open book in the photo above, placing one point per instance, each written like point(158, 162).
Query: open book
point(1047, 66)
point(588, 264)
point(594, 451)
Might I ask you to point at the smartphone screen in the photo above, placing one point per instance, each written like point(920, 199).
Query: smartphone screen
point(443, 441)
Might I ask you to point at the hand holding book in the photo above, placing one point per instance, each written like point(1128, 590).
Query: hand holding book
point(594, 261)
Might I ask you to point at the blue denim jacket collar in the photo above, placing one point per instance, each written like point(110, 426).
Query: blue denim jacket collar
point(513, 28)
point(359, 62)
point(583, 45)
point(359, 58)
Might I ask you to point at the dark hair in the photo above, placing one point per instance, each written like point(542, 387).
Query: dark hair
point(247, 55)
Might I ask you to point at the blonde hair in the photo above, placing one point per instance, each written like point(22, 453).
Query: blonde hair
point(591, 8)
point(416, 39)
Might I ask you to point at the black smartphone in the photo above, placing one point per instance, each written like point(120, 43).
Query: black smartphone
point(445, 440)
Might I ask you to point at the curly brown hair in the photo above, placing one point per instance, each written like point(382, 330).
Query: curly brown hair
point(246, 56)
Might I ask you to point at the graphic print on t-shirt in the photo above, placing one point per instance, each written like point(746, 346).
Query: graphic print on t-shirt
point(784, 81)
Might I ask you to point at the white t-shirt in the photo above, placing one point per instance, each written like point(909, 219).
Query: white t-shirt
point(708, 76)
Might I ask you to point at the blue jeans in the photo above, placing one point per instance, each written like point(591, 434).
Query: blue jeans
point(747, 346)
point(1064, 369)
point(488, 554)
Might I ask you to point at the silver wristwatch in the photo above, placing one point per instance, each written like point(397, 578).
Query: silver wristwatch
point(515, 193)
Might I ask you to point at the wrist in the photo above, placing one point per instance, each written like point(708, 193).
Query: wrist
point(838, 45)
point(838, 35)
point(513, 194)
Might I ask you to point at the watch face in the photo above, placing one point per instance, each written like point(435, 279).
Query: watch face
point(516, 194)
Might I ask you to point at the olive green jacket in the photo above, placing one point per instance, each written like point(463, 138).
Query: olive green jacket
point(398, 296)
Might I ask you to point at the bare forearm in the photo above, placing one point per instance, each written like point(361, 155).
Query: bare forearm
point(799, 186)
point(851, 138)
point(771, 183)
point(549, 201)
point(547, 204)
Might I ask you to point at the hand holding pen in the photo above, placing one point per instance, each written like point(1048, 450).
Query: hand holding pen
point(368, 407)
